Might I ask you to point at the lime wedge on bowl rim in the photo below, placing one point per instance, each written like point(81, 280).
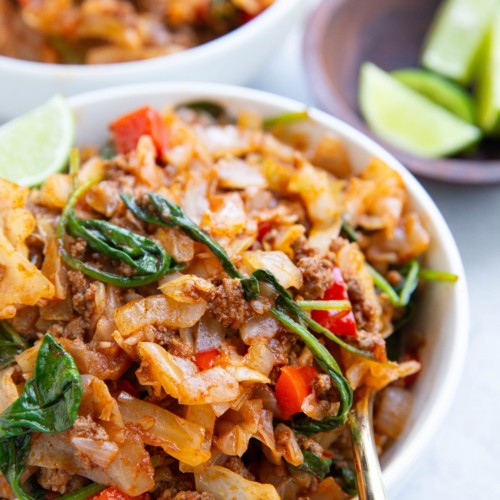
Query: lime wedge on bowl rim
point(488, 84)
point(456, 36)
point(37, 144)
point(440, 90)
point(408, 120)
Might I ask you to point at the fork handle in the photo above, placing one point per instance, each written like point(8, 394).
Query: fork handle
point(366, 462)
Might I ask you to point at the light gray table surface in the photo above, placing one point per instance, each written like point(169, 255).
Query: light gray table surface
point(463, 460)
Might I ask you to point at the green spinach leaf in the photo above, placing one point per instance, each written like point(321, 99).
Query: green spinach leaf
point(49, 403)
point(11, 344)
point(313, 464)
point(13, 454)
point(51, 398)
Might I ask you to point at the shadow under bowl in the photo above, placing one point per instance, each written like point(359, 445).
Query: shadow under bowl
point(342, 34)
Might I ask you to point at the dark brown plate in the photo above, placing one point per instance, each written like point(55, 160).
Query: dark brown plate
point(342, 34)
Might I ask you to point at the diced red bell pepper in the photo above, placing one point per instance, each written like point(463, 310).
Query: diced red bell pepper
point(206, 359)
point(115, 494)
point(129, 128)
point(292, 387)
point(338, 322)
point(264, 228)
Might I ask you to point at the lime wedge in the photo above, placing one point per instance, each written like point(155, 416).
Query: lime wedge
point(37, 144)
point(456, 36)
point(488, 86)
point(409, 120)
point(439, 90)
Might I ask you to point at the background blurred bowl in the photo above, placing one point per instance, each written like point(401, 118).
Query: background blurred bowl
point(342, 34)
point(443, 315)
point(232, 58)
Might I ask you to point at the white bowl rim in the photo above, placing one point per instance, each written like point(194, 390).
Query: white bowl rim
point(187, 57)
point(399, 467)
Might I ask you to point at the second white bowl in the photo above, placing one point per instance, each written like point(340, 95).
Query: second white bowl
point(233, 58)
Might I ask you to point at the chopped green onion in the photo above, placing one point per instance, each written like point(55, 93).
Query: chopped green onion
point(286, 119)
point(325, 305)
point(432, 275)
point(384, 286)
point(349, 231)
point(411, 282)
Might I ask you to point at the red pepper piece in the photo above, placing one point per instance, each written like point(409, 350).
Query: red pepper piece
point(129, 128)
point(206, 359)
point(264, 228)
point(292, 387)
point(338, 322)
point(115, 494)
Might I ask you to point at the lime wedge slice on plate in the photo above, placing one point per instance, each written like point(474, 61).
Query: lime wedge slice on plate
point(456, 36)
point(409, 120)
point(440, 90)
point(37, 144)
point(488, 86)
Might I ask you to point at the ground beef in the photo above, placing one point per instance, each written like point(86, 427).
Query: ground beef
point(316, 269)
point(228, 305)
point(326, 393)
point(123, 268)
point(55, 480)
point(193, 495)
point(171, 340)
point(77, 247)
point(281, 346)
point(82, 292)
point(87, 428)
point(75, 329)
point(322, 385)
point(56, 330)
point(235, 464)
point(365, 312)
point(310, 444)
point(175, 483)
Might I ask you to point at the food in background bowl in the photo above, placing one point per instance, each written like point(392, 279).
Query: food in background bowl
point(177, 277)
point(111, 31)
point(220, 60)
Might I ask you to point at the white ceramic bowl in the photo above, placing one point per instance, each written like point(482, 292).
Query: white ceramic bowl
point(233, 58)
point(443, 314)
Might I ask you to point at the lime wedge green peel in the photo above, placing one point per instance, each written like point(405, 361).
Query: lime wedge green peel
point(37, 144)
point(409, 120)
point(456, 36)
point(440, 90)
point(488, 85)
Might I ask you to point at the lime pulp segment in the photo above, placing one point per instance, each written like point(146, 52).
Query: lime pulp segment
point(37, 144)
point(408, 120)
point(455, 38)
point(439, 90)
